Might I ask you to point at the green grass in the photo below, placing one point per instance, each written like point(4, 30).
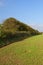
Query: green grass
point(26, 52)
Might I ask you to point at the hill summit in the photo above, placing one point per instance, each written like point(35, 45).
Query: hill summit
point(12, 25)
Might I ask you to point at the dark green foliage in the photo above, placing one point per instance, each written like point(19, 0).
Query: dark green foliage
point(12, 30)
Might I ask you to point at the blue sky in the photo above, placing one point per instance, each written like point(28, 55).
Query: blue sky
point(27, 11)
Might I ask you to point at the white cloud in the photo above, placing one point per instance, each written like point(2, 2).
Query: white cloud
point(37, 27)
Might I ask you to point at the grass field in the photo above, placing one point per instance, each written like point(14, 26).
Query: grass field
point(26, 52)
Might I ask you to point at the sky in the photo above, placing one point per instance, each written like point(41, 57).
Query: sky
point(27, 11)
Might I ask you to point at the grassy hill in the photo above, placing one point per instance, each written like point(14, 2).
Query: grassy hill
point(13, 25)
point(12, 30)
point(26, 52)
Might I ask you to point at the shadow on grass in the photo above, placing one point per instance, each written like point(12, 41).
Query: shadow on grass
point(15, 38)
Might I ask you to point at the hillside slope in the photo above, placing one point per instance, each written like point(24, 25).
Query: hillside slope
point(26, 52)
point(12, 25)
point(12, 30)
